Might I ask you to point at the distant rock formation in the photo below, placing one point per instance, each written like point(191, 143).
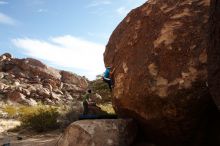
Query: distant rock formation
point(29, 81)
point(159, 51)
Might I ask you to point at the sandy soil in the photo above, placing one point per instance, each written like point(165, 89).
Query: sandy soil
point(6, 124)
point(26, 137)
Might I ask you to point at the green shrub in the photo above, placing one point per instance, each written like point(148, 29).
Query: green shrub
point(42, 119)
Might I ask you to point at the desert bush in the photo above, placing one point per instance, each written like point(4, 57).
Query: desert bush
point(15, 111)
point(27, 110)
point(40, 119)
point(11, 111)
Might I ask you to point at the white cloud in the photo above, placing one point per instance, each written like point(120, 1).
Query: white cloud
point(4, 19)
point(81, 56)
point(96, 3)
point(3, 3)
point(42, 10)
point(122, 11)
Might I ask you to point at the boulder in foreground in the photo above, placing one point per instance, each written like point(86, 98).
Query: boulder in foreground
point(107, 132)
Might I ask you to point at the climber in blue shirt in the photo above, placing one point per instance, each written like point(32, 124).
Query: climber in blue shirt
point(107, 72)
point(107, 77)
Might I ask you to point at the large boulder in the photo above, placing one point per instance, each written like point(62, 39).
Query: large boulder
point(32, 68)
point(159, 52)
point(111, 132)
point(214, 52)
point(4, 58)
point(70, 78)
point(6, 55)
point(16, 96)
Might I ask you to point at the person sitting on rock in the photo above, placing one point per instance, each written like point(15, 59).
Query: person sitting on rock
point(107, 77)
point(86, 98)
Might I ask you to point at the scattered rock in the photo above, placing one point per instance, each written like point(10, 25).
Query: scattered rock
point(16, 96)
point(1, 75)
point(48, 101)
point(28, 138)
point(43, 92)
point(56, 96)
point(50, 82)
point(57, 91)
point(31, 102)
point(48, 86)
point(26, 92)
point(2, 86)
point(16, 83)
point(70, 87)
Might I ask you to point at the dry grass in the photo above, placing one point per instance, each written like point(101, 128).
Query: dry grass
point(10, 110)
point(42, 119)
point(107, 107)
point(39, 118)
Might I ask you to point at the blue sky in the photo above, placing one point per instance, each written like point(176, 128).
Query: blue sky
point(65, 34)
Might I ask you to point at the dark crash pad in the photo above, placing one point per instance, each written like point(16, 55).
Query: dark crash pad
point(91, 116)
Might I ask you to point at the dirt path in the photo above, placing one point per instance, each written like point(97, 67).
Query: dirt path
point(44, 139)
point(26, 137)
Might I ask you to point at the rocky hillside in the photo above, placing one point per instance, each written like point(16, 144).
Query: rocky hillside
point(159, 52)
point(29, 81)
